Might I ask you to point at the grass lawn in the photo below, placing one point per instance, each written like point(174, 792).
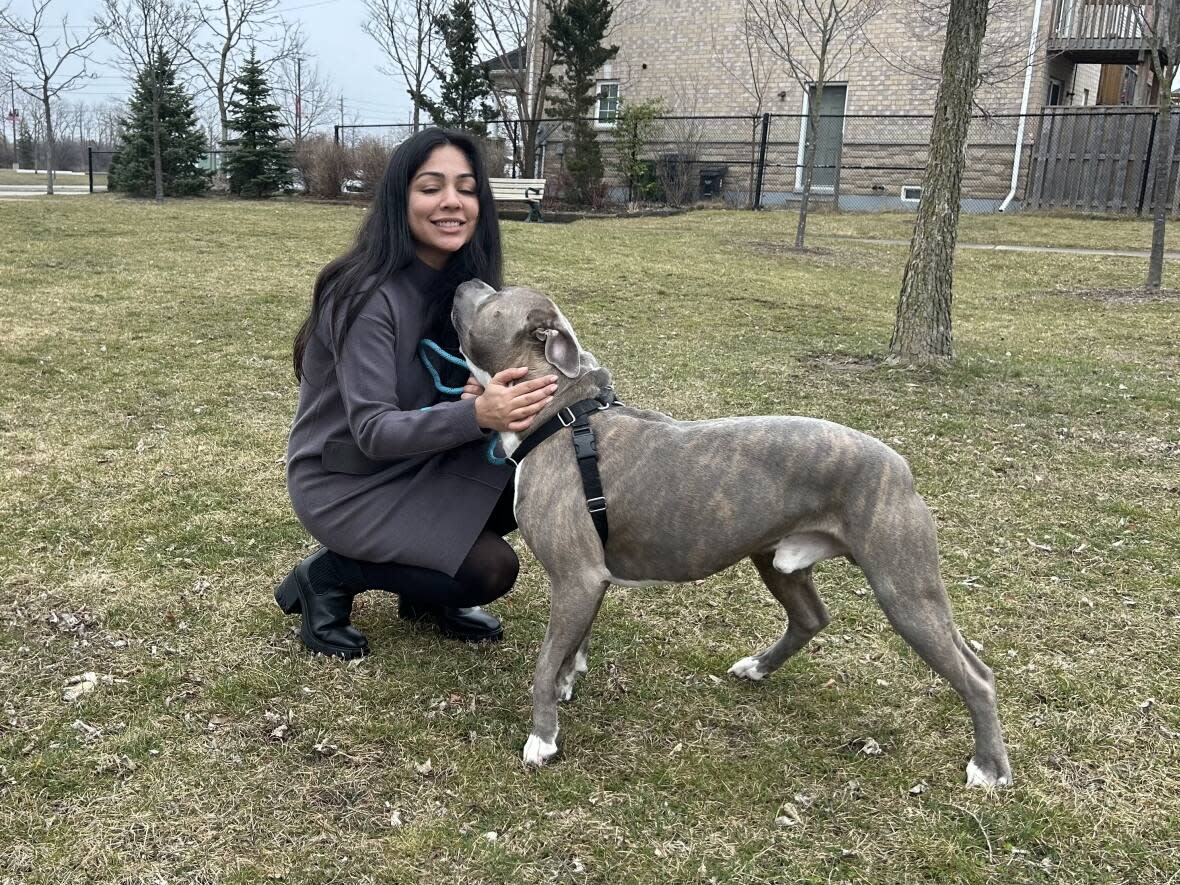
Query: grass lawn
point(8, 176)
point(145, 398)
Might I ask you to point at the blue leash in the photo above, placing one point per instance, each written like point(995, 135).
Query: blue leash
point(425, 346)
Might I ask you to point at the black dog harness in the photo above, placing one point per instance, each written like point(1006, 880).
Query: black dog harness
point(577, 416)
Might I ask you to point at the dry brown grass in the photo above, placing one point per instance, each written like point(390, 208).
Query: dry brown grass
point(146, 398)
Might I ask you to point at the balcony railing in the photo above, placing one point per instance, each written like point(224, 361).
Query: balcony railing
point(1098, 27)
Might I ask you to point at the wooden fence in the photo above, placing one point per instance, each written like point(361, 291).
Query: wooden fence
point(1096, 160)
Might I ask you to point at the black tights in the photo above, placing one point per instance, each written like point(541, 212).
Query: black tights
point(487, 573)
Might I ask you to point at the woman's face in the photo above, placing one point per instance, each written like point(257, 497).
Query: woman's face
point(443, 205)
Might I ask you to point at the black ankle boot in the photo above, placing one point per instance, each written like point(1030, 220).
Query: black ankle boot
point(317, 588)
point(465, 624)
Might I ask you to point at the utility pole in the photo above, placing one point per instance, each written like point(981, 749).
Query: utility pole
point(341, 113)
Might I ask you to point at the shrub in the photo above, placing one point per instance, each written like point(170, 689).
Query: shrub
point(324, 165)
point(370, 158)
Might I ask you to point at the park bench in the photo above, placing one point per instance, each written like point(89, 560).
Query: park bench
point(516, 190)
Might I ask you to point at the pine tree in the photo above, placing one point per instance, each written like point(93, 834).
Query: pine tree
point(257, 165)
point(182, 144)
point(576, 31)
point(465, 86)
point(26, 156)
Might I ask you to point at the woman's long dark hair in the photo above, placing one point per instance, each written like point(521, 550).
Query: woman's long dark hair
point(384, 244)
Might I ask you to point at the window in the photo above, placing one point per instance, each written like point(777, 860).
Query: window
point(1055, 90)
point(608, 101)
point(1085, 97)
point(911, 193)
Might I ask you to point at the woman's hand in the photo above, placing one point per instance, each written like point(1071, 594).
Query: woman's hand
point(471, 389)
point(512, 408)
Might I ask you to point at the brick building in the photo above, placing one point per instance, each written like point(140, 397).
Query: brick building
point(694, 57)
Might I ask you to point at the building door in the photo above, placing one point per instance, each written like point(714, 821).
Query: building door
point(829, 136)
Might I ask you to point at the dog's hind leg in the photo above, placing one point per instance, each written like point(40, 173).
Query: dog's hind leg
point(572, 668)
point(573, 607)
point(806, 616)
point(903, 572)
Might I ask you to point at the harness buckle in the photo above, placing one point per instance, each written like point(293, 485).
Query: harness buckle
point(599, 508)
point(561, 417)
point(585, 445)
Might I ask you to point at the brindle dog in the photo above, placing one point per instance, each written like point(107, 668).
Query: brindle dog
point(686, 499)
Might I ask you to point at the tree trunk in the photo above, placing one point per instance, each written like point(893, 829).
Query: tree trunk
point(922, 331)
point(49, 144)
point(528, 159)
point(813, 109)
point(1164, 146)
point(157, 160)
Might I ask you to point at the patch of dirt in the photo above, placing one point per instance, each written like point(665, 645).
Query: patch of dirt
point(1119, 296)
point(843, 362)
point(767, 247)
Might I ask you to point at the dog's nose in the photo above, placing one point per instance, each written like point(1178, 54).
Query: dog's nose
point(472, 291)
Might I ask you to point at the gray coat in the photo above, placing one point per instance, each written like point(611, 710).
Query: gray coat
point(380, 465)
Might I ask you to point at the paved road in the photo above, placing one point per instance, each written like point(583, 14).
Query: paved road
point(8, 191)
point(1001, 247)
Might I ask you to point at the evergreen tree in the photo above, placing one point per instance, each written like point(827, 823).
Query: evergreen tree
point(26, 156)
point(465, 86)
point(257, 165)
point(182, 144)
point(575, 34)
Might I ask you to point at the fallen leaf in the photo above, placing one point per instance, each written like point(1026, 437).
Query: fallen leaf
point(871, 748)
point(79, 685)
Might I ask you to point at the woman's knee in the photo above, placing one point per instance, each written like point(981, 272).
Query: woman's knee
point(490, 570)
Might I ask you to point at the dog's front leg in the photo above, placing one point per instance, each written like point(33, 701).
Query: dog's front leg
point(572, 608)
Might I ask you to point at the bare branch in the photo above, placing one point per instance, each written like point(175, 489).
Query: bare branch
point(404, 29)
point(54, 64)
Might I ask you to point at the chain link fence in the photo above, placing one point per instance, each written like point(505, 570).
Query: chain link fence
point(1096, 159)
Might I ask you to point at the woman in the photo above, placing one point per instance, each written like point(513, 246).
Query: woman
point(387, 473)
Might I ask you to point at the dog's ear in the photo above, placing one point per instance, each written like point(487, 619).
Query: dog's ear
point(561, 347)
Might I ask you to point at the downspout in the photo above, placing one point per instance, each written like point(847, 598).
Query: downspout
point(1032, 48)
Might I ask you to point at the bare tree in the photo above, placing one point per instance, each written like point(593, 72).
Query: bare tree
point(522, 61)
point(755, 70)
point(1005, 54)
point(142, 31)
point(404, 29)
point(306, 98)
point(922, 331)
point(225, 30)
point(55, 65)
point(815, 40)
point(1162, 30)
point(515, 30)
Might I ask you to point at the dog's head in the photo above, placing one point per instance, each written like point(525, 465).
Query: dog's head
point(515, 327)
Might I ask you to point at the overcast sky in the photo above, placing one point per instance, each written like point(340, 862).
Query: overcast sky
point(335, 41)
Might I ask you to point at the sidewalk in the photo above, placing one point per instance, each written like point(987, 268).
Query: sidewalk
point(1060, 250)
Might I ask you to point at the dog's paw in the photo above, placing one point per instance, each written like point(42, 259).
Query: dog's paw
point(978, 777)
point(538, 751)
point(747, 668)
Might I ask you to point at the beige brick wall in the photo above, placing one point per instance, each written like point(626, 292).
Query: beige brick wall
point(693, 56)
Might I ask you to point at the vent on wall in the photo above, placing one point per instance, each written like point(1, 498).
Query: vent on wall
point(911, 193)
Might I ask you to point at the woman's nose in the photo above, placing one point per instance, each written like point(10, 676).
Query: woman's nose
point(450, 196)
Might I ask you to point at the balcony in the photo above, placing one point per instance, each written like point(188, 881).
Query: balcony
point(1100, 31)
